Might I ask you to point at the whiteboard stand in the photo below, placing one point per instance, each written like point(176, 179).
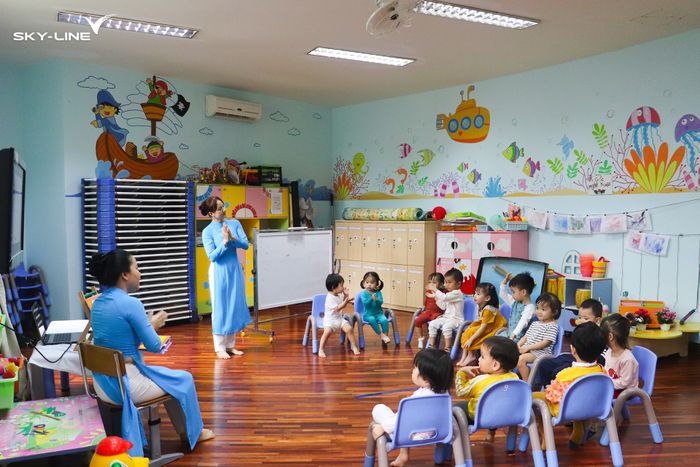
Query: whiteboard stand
point(295, 261)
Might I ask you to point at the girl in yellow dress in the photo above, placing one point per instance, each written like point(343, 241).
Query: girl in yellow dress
point(486, 324)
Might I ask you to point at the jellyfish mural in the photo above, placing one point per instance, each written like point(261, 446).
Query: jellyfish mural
point(643, 124)
point(688, 133)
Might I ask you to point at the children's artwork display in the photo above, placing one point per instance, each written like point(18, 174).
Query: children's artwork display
point(614, 223)
point(651, 244)
point(639, 220)
point(50, 426)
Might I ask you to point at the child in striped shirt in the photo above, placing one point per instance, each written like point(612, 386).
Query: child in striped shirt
point(541, 335)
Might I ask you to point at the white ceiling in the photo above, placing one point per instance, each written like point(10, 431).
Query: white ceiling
point(260, 45)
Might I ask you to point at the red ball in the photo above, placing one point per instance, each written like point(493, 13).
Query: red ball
point(439, 213)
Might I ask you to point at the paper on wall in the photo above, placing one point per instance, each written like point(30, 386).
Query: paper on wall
point(558, 222)
point(614, 223)
point(639, 220)
point(579, 225)
point(537, 219)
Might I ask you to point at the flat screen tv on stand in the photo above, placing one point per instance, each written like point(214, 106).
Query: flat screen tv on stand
point(13, 176)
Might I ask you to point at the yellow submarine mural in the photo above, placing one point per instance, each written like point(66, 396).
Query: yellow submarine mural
point(469, 123)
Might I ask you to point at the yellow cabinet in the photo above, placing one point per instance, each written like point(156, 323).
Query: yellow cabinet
point(369, 242)
point(398, 285)
point(415, 286)
point(352, 273)
point(415, 246)
point(341, 241)
point(402, 253)
point(355, 241)
point(399, 241)
point(384, 243)
point(255, 208)
point(384, 272)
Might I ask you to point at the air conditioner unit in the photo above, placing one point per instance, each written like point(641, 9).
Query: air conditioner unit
point(225, 107)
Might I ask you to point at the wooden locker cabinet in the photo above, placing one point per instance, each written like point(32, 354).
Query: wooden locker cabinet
point(402, 253)
point(341, 241)
point(355, 242)
point(369, 242)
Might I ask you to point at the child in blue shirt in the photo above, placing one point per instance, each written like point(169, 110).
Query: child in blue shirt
point(372, 301)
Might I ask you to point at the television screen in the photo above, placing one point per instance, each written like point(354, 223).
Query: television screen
point(12, 188)
point(17, 214)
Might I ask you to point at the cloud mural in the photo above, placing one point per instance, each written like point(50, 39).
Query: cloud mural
point(93, 82)
point(278, 116)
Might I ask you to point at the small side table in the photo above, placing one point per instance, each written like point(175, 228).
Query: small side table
point(664, 343)
point(49, 427)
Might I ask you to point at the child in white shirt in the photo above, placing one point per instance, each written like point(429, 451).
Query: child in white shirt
point(334, 319)
point(452, 302)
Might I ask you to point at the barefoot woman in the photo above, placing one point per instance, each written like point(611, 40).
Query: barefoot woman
point(230, 312)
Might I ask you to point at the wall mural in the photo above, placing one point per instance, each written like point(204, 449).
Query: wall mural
point(155, 105)
point(629, 159)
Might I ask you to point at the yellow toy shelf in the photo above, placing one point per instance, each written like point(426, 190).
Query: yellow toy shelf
point(254, 207)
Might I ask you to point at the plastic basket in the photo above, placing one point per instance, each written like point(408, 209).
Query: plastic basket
point(7, 393)
point(515, 225)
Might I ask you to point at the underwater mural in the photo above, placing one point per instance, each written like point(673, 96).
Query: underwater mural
point(616, 157)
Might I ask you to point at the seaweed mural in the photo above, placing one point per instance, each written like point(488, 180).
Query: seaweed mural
point(493, 188)
point(654, 171)
point(348, 183)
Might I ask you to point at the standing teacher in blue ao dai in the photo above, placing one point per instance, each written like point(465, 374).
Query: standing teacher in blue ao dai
point(230, 312)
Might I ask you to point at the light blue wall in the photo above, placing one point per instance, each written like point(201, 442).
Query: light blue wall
point(536, 109)
point(57, 141)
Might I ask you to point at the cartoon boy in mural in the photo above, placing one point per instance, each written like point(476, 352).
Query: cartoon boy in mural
point(105, 110)
point(153, 149)
point(159, 91)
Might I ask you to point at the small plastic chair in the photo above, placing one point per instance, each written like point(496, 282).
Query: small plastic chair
point(636, 396)
point(315, 322)
point(431, 415)
point(470, 313)
point(505, 310)
point(506, 403)
point(359, 319)
point(588, 397)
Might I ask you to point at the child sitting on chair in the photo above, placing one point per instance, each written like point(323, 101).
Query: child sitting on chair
point(334, 319)
point(591, 310)
point(431, 310)
point(620, 363)
point(433, 374)
point(452, 302)
point(499, 355)
point(372, 301)
point(486, 324)
point(541, 335)
point(521, 307)
point(587, 343)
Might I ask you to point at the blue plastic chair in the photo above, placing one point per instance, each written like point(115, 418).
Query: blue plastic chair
point(505, 310)
point(636, 396)
point(558, 344)
point(409, 333)
point(470, 313)
point(359, 319)
point(505, 404)
point(315, 322)
point(429, 414)
point(588, 397)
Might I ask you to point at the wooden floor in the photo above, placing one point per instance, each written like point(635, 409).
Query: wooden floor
point(281, 405)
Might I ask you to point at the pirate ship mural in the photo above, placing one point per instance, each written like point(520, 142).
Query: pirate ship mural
point(121, 155)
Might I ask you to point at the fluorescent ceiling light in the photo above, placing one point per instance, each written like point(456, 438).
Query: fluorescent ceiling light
point(360, 57)
point(96, 22)
point(476, 15)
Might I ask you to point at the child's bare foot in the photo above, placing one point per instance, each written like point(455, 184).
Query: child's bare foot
point(205, 435)
point(401, 460)
point(235, 351)
point(356, 351)
point(222, 355)
point(322, 354)
point(490, 436)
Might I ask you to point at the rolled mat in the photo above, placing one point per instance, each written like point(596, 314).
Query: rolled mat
point(383, 214)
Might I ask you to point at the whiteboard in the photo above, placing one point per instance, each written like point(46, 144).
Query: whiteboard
point(291, 266)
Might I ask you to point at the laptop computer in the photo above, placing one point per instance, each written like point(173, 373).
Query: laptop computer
point(61, 331)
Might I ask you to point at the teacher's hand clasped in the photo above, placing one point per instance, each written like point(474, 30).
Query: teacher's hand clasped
point(230, 312)
point(119, 322)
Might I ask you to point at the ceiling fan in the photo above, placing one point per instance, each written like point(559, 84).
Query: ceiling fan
point(391, 15)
